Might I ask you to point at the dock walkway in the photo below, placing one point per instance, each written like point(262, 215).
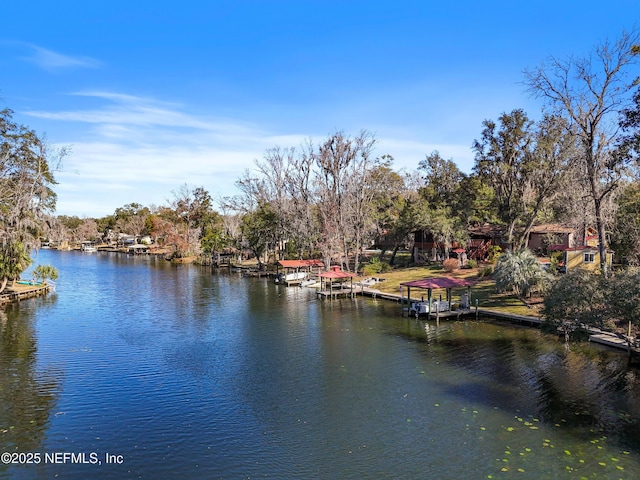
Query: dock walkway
point(15, 294)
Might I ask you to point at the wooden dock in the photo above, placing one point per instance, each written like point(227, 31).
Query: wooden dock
point(335, 293)
point(358, 290)
point(512, 317)
point(595, 335)
point(18, 293)
point(612, 340)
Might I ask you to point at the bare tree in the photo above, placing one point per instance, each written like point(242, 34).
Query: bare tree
point(303, 224)
point(189, 206)
point(590, 92)
point(88, 230)
point(344, 187)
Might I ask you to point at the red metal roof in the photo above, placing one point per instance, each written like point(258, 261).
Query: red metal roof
point(301, 263)
point(337, 274)
point(439, 282)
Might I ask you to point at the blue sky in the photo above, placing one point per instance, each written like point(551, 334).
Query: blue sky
point(151, 95)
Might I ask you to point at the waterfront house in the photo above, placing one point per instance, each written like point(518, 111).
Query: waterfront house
point(556, 236)
point(586, 257)
point(543, 238)
point(481, 238)
point(546, 234)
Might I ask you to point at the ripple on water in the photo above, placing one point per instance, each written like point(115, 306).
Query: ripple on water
point(191, 374)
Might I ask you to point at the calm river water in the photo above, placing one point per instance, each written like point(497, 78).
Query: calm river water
point(180, 372)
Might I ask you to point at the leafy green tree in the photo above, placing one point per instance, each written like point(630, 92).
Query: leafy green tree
point(475, 201)
point(400, 210)
point(580, 297)
point(442, 180)
point(214, 237)
point(105, 225)
point(412, 213)
point(629, 143)
point(502, 155)
point(446, 228)
point(625, 237)
point(526, 164)
point(14, 259)
point(70, 222)
point(259, 230)
point(624, 297)
point(26, 194)
point(519, 271)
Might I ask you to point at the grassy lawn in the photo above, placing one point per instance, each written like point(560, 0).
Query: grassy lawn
point(483, 290)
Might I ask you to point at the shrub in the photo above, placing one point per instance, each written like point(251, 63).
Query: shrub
point(451, 265)
point(554, 262)
point(579, 296)
point(485, 271)
point(493, 253)
point(375, 266)
point(472, 263)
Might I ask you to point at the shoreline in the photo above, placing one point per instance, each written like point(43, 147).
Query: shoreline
point(603, 338)
point(16, 293)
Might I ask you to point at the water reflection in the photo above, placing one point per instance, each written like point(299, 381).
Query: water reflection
point(27, 394)
point(193, 373)
point(585, 388)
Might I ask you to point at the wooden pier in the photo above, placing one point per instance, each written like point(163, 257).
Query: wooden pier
point(334, 293)
point(595, 335)
point(612, 340)
point(512, 317)
point(22, 292)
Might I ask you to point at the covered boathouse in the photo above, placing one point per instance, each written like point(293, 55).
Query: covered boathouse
point(436, 306)
point(332, 283)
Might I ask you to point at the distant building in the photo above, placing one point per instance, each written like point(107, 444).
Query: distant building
point(553, 236)
point(543, 238)
point(585, 257)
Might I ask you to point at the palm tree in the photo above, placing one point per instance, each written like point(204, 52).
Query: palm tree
point(43, 272)
point(14, 259)
point(518, 271)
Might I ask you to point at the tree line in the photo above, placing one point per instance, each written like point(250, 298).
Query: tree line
point(576, 165)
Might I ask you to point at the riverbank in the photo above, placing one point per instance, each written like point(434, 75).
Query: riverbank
point(595, 335)
point(17, 292)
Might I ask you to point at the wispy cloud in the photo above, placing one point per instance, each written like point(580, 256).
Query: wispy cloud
point(124, 112)
point(139, 149)
point(54, 61)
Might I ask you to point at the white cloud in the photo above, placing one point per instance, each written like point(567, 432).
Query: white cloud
point(50, 60)
point(137, 149)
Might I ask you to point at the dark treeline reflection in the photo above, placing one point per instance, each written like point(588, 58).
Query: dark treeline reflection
point(27, 395)
point(591, 390)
